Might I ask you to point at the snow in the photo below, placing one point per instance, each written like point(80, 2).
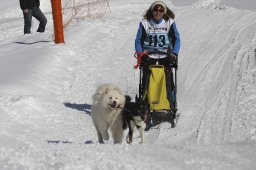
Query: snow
point(183, 2)
point(245, 4)
point(46, 89)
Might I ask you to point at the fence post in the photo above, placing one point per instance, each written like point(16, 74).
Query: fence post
point(57, 20)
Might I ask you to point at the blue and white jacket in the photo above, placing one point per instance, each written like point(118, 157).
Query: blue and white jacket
point(158, 36)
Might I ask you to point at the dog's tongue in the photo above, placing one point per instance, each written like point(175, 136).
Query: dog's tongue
point(112, 105)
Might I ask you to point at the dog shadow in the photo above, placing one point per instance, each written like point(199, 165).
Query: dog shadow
point(80, 107)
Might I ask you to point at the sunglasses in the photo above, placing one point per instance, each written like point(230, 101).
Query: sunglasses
point(159, 10)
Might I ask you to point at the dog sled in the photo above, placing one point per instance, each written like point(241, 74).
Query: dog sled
point(158, 86)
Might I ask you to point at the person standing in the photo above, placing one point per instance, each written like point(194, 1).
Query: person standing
point(31, 8)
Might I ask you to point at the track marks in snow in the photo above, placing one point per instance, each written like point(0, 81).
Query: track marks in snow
point(223, 80)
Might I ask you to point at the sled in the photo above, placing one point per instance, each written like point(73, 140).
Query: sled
point(156, 93)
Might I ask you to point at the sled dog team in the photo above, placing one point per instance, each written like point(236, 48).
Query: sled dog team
point(112, 110)
point(157, 42)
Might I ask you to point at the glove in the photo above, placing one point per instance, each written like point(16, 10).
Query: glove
point(144, 59)
point(173, 60)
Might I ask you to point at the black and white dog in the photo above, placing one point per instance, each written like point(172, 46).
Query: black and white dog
point(134, 117)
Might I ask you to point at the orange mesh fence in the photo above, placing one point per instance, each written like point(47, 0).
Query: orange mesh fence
point(66, 12)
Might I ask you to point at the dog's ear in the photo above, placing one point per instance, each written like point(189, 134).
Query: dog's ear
point(108, 87)
point(102, 90)
point(117, 89)
point(96, 97)
point(105, 91)
point(128, 98)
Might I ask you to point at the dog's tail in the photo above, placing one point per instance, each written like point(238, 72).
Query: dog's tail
point(128, 98)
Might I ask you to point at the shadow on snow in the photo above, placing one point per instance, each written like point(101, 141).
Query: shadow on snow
point(80, 107)
point(67, 142)
point(31, 43)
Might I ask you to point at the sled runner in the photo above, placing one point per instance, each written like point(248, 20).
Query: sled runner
point(159, 90)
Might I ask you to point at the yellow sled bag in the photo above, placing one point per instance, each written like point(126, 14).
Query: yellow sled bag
point(157, 93)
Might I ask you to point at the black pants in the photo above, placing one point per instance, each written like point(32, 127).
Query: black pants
point(146, 62)
point(37, 13)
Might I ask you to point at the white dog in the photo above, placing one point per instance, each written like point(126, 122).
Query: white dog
point(107, 106)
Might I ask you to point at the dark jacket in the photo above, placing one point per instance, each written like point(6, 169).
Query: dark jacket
point(29, 4)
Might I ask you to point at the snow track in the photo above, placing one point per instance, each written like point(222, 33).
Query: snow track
point(219, 86)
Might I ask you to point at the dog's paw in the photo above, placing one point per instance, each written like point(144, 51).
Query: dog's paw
point(106, 136)
point(128, 139)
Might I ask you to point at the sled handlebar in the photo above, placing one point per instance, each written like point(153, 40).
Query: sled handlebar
point(173, 64)
point(139, 56)
point(157, 52)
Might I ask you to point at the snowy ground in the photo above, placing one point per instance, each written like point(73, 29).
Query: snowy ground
point(245, 4)
point(46, 89)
